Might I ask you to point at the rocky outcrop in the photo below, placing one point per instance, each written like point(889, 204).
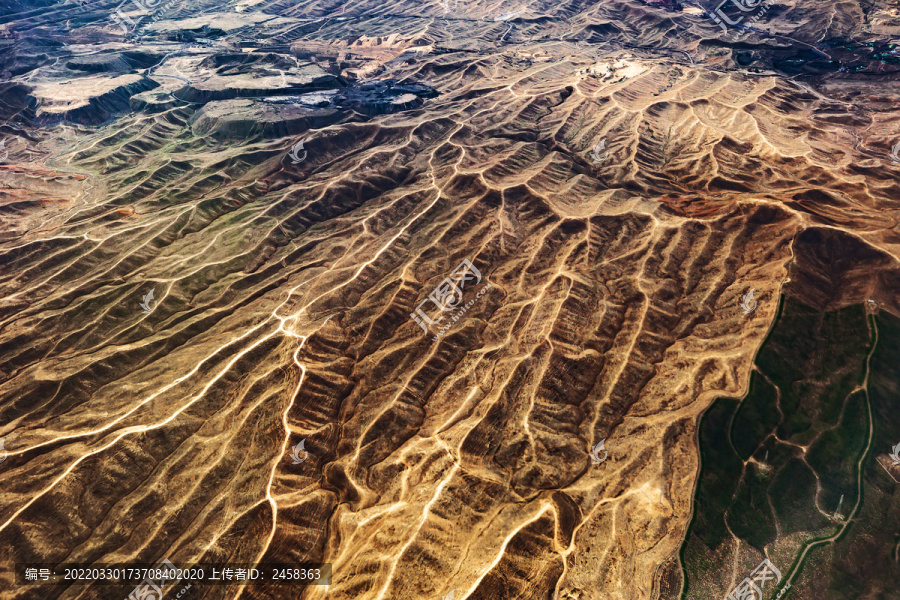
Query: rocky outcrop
point(243, 119)
point(90, 101)
point(152, 101)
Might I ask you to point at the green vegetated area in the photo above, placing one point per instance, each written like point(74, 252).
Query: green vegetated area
point(865, 561)
point(775, 464)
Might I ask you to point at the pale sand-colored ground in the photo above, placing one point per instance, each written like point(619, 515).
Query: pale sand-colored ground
point(283, 298)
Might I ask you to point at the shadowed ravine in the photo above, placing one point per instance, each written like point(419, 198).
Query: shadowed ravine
point(608, 304)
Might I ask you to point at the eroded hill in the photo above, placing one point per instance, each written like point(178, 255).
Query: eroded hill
point(299, 189)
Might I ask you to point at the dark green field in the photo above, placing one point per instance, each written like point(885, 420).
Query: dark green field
point(777, 463)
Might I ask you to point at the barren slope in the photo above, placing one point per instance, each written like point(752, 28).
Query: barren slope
point(283, 289)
